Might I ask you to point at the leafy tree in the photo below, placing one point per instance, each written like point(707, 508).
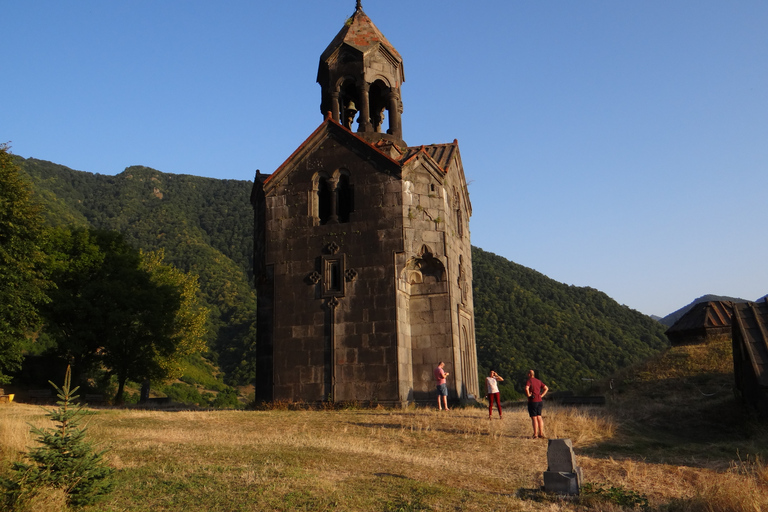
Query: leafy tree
point(22, 286)
point(189, 323)
point(119, 309)
point(204, 226)
point(65, 459)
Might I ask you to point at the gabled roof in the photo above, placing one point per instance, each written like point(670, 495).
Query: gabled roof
point(440, 153)
point(327, 128)
point(704, 315)
point(440, 156)
point(750, 326)
point(360, 33)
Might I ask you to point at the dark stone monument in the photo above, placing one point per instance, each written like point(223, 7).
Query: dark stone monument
point(562, 476)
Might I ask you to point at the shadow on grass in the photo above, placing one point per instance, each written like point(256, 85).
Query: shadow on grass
point(392, 475)
point(442, 429)
point(702, 434)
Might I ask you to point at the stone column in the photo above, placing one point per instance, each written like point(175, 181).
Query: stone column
point(335, 112)
point(394, 115)
point(364, 120)
point(333, 186)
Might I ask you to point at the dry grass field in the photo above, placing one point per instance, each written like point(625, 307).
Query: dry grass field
point(420, 459)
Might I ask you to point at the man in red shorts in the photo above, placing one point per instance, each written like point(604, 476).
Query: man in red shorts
point(535, 391)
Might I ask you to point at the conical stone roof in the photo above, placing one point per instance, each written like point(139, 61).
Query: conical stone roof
point(360, 33)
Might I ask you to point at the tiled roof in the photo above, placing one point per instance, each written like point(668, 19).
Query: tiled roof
point(440, 153)
point(359, 32)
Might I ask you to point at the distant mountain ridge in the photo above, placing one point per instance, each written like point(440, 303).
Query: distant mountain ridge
point(523, 319)
point(673, 317)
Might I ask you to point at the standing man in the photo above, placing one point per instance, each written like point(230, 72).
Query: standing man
point(492, 387)
point(442, 387)
point(535, 391)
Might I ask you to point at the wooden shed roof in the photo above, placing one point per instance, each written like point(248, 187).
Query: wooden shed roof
point(750, 326)
point(704, 315)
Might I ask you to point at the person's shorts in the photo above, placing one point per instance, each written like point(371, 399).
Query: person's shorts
point(534, 408)
point(442, 390)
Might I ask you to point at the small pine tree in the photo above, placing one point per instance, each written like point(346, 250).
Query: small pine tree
point(65, 460)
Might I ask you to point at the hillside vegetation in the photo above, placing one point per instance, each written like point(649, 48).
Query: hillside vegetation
point(204, 225)
point(523, 319)
point(680, 400)
point(570, 335)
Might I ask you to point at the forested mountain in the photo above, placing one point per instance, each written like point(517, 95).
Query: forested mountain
point(204, 225)
point(523, 319)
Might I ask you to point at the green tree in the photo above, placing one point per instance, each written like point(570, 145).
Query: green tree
point(117, 309)
point(188, 331)
point(64, 459)
point(22, 286)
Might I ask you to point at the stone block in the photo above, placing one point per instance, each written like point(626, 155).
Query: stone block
point(383, 327)
point(560, 456)
point(299, 331)
point(353, 341)
point(369, 356)
point(376, 373)
point(422, 329)
point(561, 482)
point(562, 476)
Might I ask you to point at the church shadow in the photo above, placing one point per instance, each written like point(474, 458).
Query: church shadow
point(440, 428)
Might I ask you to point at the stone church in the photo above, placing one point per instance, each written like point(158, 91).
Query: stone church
point(362, 254)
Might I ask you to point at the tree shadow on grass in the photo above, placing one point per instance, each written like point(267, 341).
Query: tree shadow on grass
point(714, 432)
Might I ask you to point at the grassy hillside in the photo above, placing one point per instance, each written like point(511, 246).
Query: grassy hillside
point(680, 400)
point(523, 319)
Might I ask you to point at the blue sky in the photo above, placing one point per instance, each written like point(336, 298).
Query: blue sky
point(621, 145)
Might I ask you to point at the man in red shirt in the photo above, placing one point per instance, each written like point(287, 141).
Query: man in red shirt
point(535, 391)
point(442, 387)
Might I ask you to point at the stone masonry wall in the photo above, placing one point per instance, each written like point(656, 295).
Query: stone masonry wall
point(357, 326)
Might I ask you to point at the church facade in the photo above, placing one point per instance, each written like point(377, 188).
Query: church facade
point(362, 251)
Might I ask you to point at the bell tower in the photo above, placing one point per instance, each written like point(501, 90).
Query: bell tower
point(362, 254)
point(360, 75)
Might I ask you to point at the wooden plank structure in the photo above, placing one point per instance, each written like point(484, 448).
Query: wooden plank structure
point(750, 354)
point(703, 322)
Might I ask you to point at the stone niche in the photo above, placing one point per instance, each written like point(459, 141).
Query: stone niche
point(424, 274)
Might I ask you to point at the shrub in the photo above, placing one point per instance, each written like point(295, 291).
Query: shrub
point(227, 399)
point(617, 495)
point(184, 393)
point(64, 461)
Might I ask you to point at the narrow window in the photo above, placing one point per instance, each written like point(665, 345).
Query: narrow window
point(323, 200)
